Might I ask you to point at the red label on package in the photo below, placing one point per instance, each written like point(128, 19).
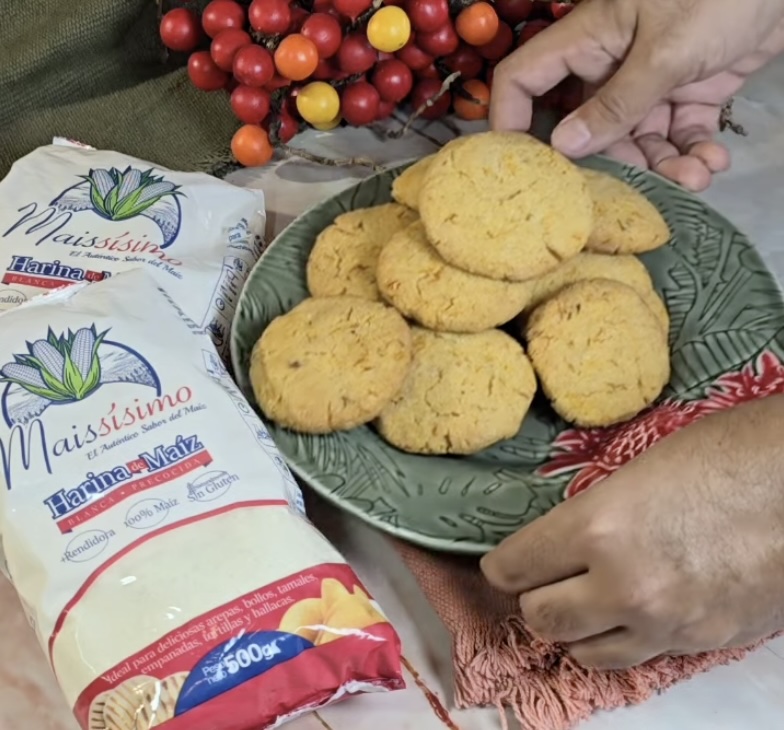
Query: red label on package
point(297, 643)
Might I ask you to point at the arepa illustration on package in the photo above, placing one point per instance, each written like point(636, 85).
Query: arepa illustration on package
point(71, 214)
point(155, 536)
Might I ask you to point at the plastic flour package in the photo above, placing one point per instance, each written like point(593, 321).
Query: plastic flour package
point(70, 214)
point(155, 536)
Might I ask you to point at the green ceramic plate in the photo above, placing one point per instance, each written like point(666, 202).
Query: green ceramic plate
point(727, 322)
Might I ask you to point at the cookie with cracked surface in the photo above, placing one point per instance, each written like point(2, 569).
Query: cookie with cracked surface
point(415, 280)
point(504, 205)
point(407, 185)
point(599, 351)
point(626, 269)
point(344, 258)
point(657, 305)
point(330, 364)
point(464, 392)
point(625, 221)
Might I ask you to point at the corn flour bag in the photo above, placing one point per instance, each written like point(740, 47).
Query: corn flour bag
point(70, 213)
point(155, 536)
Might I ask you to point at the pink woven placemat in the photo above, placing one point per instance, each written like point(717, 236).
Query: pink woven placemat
point(498, 662)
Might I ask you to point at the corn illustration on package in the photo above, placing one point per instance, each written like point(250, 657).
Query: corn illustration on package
point(70, 213)
point(155, 537)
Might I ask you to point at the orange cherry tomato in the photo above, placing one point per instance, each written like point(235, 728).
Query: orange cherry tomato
point(477, 24)
point(478, 105)
point(296, 57)
point(251, 147)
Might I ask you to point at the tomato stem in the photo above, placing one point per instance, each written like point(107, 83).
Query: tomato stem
point(726, 121)
point(447, 83)
point(362, 20)
point(296, 152)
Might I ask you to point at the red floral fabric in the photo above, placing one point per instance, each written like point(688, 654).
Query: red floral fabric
point(595, 453)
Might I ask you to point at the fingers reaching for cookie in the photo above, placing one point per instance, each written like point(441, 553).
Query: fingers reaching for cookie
point(500, 269)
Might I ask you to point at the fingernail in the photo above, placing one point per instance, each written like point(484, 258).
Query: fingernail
point(571, 137)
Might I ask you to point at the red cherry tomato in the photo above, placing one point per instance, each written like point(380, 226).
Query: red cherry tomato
point(298, 17)
point(428, 72)
point(514, 12)
point(359, 103)
point(277, 82)
point(428, 15)
point(489, 76)
point(180, 30)
point(222, 15)
point(427, 89)
point(477, 24)
point(413, 56)
point(250, 104)
point(393, 79)
point(440, 43)
point(385, 109)
point(352, 9)
point(325, 32)
point(356, 55)
point(342, 76)
point(532, 28)
point(466, 60)
point(253, 66)
point(225, 45)
point(204, 74)
point(325, 71)
point(500, 45)
point(296, 57)
point(288, 126)
point(398, 3)
point(558, 10)
point(251, 146)
point(323, 6)
point(270, 16)
point(477, 105)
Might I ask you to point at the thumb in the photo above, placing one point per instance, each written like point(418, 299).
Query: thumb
point(619, 105)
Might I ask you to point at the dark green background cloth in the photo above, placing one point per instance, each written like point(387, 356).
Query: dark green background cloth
point(93, 70)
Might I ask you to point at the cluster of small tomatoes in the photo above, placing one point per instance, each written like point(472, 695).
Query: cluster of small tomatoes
point(323, 63)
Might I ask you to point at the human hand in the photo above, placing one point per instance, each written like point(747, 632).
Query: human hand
point(661, 72)
point(678, 552)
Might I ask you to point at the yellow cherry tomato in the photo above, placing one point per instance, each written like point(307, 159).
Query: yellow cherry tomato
point(389, 29)
point(326, 126)
point(318, 103)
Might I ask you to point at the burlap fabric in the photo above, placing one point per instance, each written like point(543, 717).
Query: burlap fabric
point(93, 70)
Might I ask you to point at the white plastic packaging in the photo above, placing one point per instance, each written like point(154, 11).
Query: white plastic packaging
point(155, 536)
point(70, 213)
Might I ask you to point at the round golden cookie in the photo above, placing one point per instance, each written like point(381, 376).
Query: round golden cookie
point(344, 257)
point(422, 286)
point(599, 351)
point(504, 205)
point(330, 364)
point(462, 394)
point(659, 308)
point(626, 269)
point(407, 185)
point(625, 221)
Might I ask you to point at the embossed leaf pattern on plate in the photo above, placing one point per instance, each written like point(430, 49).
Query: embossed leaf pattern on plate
point(725, 310)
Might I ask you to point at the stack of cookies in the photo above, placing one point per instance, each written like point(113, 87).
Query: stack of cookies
point(407, 298)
